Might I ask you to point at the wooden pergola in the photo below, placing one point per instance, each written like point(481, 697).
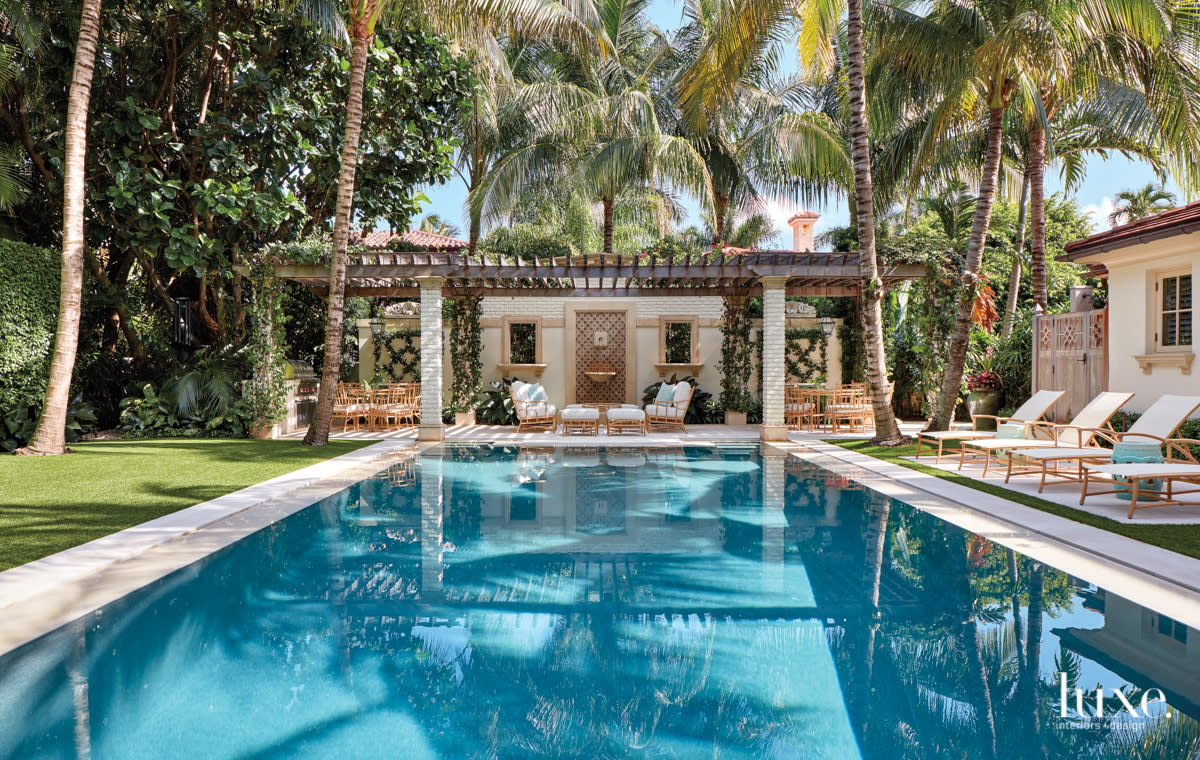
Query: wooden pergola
point(429, 275)
point(387, 274)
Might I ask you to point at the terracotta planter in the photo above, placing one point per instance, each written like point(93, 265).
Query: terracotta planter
point(984, 402)
point(262, 432)
point(735, 418)
point(464, 418)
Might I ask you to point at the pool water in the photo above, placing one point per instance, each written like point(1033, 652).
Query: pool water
point(504, 602)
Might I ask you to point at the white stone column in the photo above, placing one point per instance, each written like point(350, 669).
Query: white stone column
point(773, 369)
point(431, 359)
point(432, 525)
point(774, 522)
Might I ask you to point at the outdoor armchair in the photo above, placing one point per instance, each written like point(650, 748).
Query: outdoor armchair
point(669, 414)
point(533, 407)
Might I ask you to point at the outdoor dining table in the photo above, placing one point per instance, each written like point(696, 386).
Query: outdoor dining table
point(819, 397)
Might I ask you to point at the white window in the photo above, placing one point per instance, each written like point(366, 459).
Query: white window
point(1174, 326)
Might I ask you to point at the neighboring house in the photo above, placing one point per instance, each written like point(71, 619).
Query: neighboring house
point(571, 344)
point(1151, 265)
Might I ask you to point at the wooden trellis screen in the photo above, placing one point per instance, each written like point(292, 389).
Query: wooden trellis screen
point(1070, 353)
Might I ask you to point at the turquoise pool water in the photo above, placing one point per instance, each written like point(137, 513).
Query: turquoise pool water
point(482, 602)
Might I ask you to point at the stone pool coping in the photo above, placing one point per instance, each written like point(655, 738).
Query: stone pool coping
point(1157, 578)
point(37, 597)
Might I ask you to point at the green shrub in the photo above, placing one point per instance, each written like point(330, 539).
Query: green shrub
point(527, 241)
point(201, 399)
point(28, 317)
point(496, 406)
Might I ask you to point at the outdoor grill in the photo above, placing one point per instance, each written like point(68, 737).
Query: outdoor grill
point(302, 384)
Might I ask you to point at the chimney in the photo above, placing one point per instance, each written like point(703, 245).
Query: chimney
point(802, 224)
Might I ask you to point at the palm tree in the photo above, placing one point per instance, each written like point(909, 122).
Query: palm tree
point(50, 436)
point(469, 21)
point(974, 56)
point(439, 226)
point(712, 80)
point(1135, 204)
point(602, 116)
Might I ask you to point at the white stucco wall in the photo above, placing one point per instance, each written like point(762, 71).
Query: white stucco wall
point(1132, 316)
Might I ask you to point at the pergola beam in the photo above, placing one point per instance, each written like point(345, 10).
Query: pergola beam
point(828, 291)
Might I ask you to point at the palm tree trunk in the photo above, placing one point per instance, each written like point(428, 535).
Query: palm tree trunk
point(720, 204)
point(952, 380)
point(1037, 213)
point(608, 223)
point(887, 432)
point(50, 435)
point(318, 431)
point(1014, 277)
point(1033, 649)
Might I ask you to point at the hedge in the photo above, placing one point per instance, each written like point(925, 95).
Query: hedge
point(28, 317)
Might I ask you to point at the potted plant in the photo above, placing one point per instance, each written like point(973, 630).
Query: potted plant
point(737, 408)
point(983, 387)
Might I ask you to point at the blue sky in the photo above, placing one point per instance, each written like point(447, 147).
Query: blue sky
point(1104, 177)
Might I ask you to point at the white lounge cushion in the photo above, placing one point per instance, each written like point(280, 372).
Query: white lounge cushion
point(626, 414)
point(665, 393)
point(630, 406)
point(521, 391)
point(536, 409)
point(1050, 453)
point(579, 413)
point(683, 392)
point(663, 410)
point(1149, 470)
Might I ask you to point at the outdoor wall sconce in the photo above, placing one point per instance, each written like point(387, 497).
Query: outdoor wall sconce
point(378, 326)
point(826, 324)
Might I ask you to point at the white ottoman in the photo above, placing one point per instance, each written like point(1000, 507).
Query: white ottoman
point(624, 419)
point(582, 420)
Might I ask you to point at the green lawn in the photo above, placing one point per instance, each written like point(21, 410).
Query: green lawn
point(1184, 539)
point(48, 504)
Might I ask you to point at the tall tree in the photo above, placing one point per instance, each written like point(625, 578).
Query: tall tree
point(471, 21)
point(50, 436)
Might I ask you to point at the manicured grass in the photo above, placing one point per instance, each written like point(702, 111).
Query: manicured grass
point(48, 504)
point(1184, 539)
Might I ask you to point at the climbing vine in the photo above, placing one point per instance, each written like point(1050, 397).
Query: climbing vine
point(403, 349)
point(738, 351)
point(266, 390)
point(466, 347)
point(805, 353)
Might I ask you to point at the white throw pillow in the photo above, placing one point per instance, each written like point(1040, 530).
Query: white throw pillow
point(683, 391)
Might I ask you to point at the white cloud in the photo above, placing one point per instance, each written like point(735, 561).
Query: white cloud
point(1099, 213)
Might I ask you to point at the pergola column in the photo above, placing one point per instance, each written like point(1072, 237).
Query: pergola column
point(431, 359)
point(773, 368)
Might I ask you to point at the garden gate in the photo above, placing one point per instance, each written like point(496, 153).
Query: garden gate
point(1070, 353)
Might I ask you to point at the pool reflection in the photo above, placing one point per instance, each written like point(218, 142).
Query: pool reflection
point(561, 602)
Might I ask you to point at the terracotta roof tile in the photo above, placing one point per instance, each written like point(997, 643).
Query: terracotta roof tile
point(379, 239)
point(1177, 221)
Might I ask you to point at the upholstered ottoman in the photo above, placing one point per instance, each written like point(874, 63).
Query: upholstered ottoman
point(622, 419)
point(580, 419)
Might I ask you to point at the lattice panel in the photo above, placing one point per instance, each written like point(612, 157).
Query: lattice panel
point(1099, 328)
point(1045, 334)
point(609, 357)
point(1069, 335)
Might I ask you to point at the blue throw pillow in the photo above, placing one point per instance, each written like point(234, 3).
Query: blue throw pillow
point(538, 393)
point(666, 393)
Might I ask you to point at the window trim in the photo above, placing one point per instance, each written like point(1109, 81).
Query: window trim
point(663, 321)
point(1157, 294)
point(506, 333)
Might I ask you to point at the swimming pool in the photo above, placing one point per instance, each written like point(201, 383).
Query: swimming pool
point(505, 602)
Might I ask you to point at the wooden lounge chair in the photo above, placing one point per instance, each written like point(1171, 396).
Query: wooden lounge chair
point(1179, 467)
point(1077, 432)
point(1034, 408)
point(669, 415)
point(1156, 425)
point(533, 407)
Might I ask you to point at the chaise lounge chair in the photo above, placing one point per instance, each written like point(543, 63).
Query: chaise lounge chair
point(1031, 411)
point(1152, 429)
point(1180, 467)
point(1078, 432)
